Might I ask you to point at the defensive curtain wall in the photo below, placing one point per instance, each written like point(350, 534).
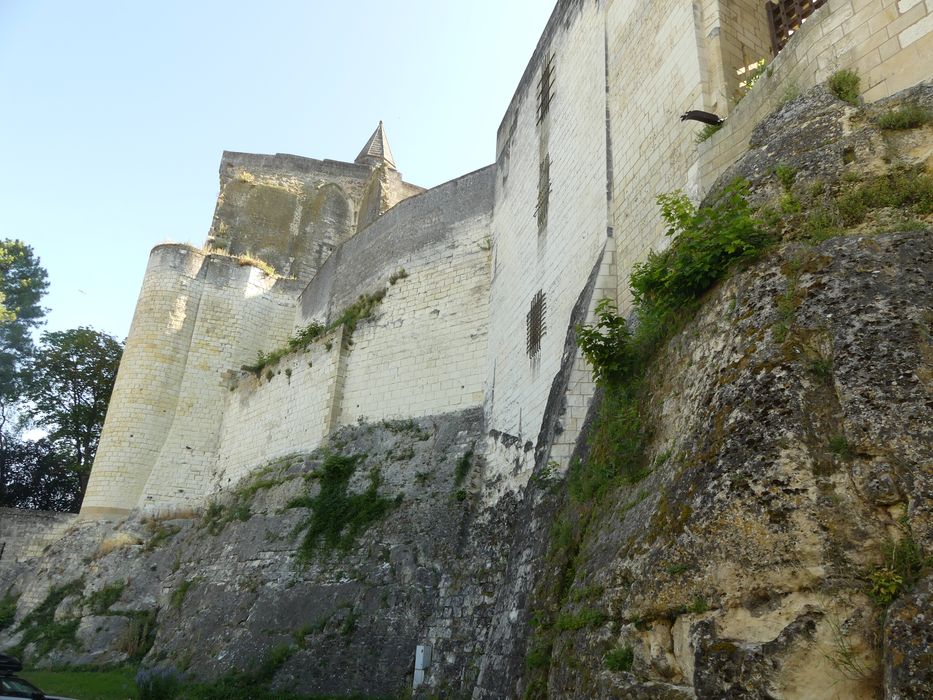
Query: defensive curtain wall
point(423, 355)
point(25, 533)
point(591, 137)
point(185, 418)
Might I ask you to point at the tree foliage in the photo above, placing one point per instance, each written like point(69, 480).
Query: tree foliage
point(35, 475)
point(70, 380)
point(23, 282)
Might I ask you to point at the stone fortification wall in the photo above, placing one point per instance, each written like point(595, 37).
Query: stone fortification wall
point(652, 150)
point(198, 315)
point(888, 42)
point(285, 410)
point(186, 420)
point(291, 211)
point(542, 264)
point(425, 352)
point(24, 534)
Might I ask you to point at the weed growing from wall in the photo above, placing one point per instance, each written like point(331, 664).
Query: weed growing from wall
point(464, 464)
point(337, 517)
point(620, 659)
point(844, 84)
point(907, 117)
point(180, 593)
point(252, 684)
point(904, 188)
point(904, 565)
point(363, 309)
point(100, 602)
point(707, 243)
point(137, 637)
point(707, 132)
point(8, 609)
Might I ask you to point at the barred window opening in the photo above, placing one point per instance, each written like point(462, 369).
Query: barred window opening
point(787, 16)
point(534, 325)
point(544, 192)
point(546, 88)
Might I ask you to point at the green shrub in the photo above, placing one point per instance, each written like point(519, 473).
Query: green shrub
point(606, 344)
point(905, 187)
point(844, 84)
point(180, 593)
point(538, 656)
point(905, 564)
point(137, 637)
point(363, 309)
point(464, 464)
point(906, 117)
point(838, 444)
point(786, 176)
point(707, 242)
point(620, 659)
point(577, 621)
point(99, 602)
point(40, 627)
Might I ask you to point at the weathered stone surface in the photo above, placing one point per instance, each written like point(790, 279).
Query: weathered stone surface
point(908, 645)
point(428, 572)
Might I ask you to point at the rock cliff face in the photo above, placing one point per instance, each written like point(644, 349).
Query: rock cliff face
point(776, 545)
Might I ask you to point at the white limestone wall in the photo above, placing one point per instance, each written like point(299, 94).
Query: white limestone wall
point(142, 405)
point(241, 311)
point(558, 260)
point(657, 71)
point(425, 352)
point(24, 534)
point(285, 410)
point(198, 316)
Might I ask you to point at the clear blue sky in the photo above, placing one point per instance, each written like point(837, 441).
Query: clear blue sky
point(114, 113)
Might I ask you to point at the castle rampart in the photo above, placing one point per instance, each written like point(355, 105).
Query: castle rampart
point(500, 265)
point(197, 315)
point(291, 212)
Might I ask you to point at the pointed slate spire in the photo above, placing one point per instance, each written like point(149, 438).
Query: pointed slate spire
point(377, 151)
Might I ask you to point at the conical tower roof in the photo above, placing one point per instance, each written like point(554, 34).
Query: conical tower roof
point(377, 151)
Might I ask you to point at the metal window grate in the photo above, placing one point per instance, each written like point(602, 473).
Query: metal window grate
point(534, 325)
point(786, 16)
point(546, 88)
point(544, 192)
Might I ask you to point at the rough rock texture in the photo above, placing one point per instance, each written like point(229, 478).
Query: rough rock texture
point(226, 589)
point(791, 450)
point(763, 556)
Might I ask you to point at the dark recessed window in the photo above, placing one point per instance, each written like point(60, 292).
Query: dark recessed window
point(534, 325)
point(546, 88)
point(544, 192)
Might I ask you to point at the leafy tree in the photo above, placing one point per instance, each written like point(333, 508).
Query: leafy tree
point(36, 476)
point(23, 282)
point(70, 380)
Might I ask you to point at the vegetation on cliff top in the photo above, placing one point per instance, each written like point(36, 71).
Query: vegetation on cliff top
point(708, 242)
